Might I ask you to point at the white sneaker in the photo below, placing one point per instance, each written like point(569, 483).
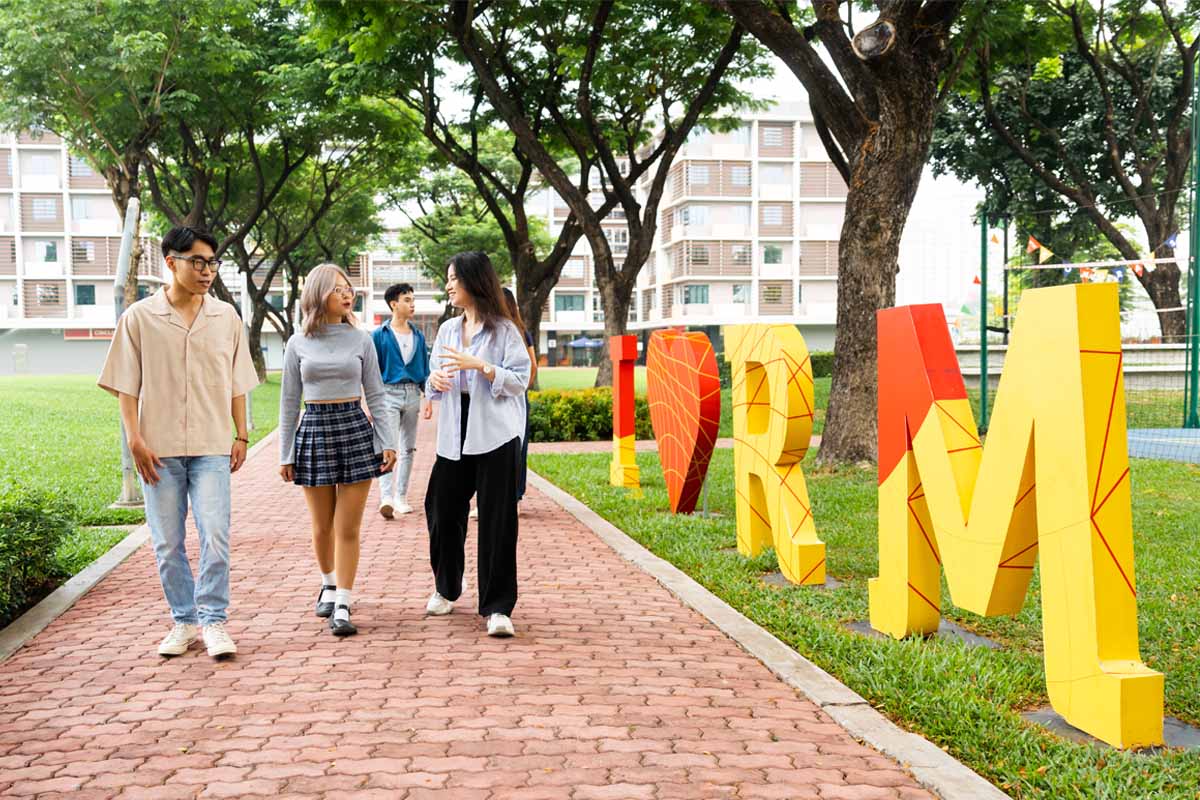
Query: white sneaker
point(438, 606)
point(179, 639)
point(474, 514)
point(385, 508)
point(218, 641)
point(500, 626)
point(402, 507)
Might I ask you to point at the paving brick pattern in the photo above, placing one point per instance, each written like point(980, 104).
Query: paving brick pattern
point(612, 688)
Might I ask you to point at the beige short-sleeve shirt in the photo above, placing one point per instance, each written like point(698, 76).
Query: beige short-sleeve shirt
point(185, 378)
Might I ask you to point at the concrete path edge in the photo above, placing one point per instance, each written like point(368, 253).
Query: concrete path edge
point(934, 768)
point(54, 605)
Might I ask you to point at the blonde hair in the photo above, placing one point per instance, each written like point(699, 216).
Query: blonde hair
point(318, 285)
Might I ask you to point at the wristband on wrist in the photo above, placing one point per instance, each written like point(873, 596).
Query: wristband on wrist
point(240, 439)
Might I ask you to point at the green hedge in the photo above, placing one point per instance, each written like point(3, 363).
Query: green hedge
point(579, 415)
point(32, 525)
point(822, 367)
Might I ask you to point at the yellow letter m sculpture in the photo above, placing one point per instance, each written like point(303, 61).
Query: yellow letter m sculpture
point(1053, 478)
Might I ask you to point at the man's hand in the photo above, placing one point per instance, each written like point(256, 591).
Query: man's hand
point(237, 456)
point(441, 380)
point(145, 460)
point(288, 473)
point(427, 411)
point(389, 460)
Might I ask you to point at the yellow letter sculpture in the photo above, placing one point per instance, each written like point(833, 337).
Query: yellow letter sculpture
point(1054, 477)
point(772, 427)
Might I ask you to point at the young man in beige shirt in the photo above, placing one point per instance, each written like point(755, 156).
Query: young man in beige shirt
point(181, 368)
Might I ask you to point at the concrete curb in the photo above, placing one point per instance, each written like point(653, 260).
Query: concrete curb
point(54, 605)
point(935, 769)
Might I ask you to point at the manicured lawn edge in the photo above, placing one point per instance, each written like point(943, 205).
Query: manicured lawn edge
point(54, 605)
point(930, 765)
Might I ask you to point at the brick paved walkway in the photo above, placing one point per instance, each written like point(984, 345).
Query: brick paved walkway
point(612, 688)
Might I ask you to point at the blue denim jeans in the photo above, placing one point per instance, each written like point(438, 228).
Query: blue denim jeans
point(404, 400)
point(205, 480)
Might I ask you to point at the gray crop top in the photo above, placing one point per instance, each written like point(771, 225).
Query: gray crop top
point(336, 362)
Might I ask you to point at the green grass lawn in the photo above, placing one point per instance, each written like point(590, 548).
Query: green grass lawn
point(565, 378)
point(966, 700)
point(61, 432)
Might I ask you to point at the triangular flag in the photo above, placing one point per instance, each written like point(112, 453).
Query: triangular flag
point(1138, 270)
point(995, 239)
point(1046, 255)
point(1171, 240)
point(1033, 245)
point(1066, 270)
point(976, 281)
point(1119, 274)
point(1085, 274)
point(1149, 268)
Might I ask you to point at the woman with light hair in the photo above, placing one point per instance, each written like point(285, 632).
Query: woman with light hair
point(335, 452)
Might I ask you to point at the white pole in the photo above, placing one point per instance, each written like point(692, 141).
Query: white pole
point(131, 488)
point(246, 333)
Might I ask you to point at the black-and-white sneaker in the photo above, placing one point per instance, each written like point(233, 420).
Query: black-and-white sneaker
point(342, 627)
point(325, 608)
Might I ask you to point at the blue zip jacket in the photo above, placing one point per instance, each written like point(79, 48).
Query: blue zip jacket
point(391, 363)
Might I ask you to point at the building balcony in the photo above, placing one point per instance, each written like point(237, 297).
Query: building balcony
point(775, 191)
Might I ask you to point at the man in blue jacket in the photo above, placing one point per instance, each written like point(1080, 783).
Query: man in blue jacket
point(404, 364)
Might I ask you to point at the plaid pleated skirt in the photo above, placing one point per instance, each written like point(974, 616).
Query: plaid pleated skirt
point(335, 443)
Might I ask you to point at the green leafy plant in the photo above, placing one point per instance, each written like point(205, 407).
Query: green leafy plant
point(32, 524)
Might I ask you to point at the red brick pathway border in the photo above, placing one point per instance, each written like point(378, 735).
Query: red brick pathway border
point(612, 687)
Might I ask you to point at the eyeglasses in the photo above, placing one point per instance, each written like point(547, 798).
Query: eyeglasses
point(200, 263)
point(344, 290)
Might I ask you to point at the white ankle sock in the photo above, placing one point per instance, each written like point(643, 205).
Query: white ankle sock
point(342, 599)
point(328, 579)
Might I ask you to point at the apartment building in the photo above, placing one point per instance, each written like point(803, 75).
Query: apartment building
point(747, 231)
point(59, 237)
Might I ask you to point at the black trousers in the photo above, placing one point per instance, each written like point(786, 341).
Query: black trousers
point(493, 477)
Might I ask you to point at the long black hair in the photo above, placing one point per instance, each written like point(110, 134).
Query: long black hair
point(514, 310)
point(475, 273)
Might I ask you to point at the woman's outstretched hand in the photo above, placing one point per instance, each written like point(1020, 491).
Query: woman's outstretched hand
point(457, 361)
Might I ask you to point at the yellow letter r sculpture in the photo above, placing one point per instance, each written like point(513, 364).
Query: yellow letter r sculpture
point(1053, 478)
point(772, 428)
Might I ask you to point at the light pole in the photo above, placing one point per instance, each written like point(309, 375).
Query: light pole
point(131, 488)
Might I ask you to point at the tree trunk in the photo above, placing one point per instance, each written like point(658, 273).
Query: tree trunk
point(135, 257)
point(615, 296)
point(254, 341)
point(883, 184)
point(1162, 285)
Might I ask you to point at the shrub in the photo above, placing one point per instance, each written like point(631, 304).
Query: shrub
point(579, 415)
point(32, 525)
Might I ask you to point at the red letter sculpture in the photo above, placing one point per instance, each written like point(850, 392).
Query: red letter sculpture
point(623, 470)
point(685, 410)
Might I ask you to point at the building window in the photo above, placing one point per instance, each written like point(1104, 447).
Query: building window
point(740, 135)
point(772, 215)
point(358, 303)
point(699, 254)
point(695, 294)
point(699, 174)
point(740, 254)
point(568, 302)
point(773, 173)
point(699, 135)
point(740, 175)
point(772, 295)
point(772, 136)
point(43, 164)
point(85, 294)
point(80, 168)
point(83, 251)
point(143, 291)
point(740, 215)
point(47, 295)
point(741, 293)
point(573, 268)
point(47, 251)
point(81, 208)
point(799, 293)
point(276, 301)
point(772, 254)
point(45, 209)
point(694, 215)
